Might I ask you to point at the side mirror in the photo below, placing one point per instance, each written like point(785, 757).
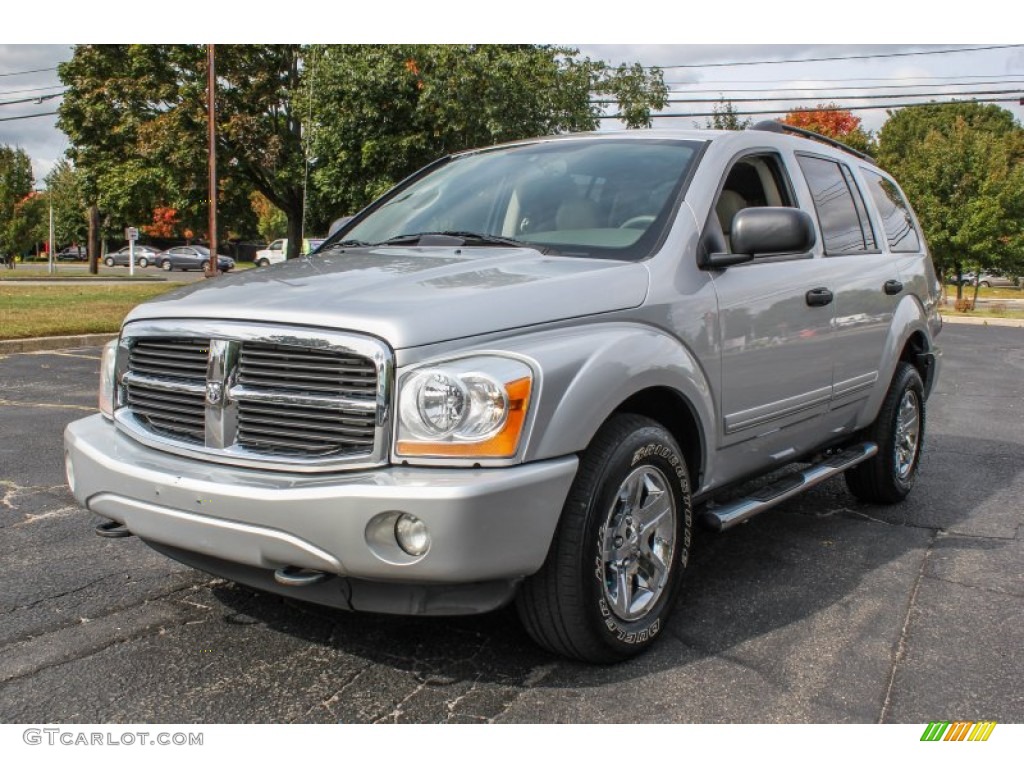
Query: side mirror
point(772, 231)
point(759, 232)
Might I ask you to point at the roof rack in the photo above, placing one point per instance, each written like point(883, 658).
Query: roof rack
point(777, 126)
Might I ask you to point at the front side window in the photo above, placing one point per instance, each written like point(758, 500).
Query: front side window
point(608, 198)
point(895, 212)
point(845, 228)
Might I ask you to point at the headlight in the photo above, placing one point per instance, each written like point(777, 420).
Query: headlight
point(470, 408)
point(108, 368)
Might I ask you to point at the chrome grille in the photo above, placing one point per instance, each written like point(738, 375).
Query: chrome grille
point(165, 390)
point(299, 369)
point(295, 399)
point(170, 358)
point(304, 430)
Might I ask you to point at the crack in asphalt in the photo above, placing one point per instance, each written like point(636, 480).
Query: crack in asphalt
point(95, 617)
point(48, 598)
point(992, 590)
point(901, 645)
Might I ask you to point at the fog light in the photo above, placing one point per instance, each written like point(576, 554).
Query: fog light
point(411, 535)
point(69, 470)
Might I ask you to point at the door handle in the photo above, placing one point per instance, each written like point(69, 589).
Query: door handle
point(818, 297)
point(892, 287)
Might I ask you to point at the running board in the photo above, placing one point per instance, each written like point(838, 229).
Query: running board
point(739, 511)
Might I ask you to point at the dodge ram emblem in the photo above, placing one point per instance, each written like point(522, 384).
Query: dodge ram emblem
point(214, 392)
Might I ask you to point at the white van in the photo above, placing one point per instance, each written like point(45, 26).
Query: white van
point(275, 252)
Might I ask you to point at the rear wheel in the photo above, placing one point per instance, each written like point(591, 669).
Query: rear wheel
point(143, 262)
point(167, 266)
point(614, 568)
point(888, 476)
point(109, 261)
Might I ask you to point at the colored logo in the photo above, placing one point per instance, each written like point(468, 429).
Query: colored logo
point(960, 730)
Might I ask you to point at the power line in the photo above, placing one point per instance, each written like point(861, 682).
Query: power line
point(830, 89)
point(26, 117)
point(33, 99)
point(28, 72)
point(854, 108)
point(840, 79)
point(837, 58)
point(31, 90)
point(763, 99)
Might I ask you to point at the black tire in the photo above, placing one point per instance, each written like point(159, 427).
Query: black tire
point(984, 284)
point(143, 262)
point(167, 266)
point(262, 263)
point(888, 476)
point(109, 261)
point(570, 606)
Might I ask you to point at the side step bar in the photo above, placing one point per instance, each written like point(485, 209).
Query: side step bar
point(735, 512)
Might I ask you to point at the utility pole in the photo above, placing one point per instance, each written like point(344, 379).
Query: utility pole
point(211, 86)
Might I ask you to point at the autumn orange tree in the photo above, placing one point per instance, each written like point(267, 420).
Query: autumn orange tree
point(829, 120)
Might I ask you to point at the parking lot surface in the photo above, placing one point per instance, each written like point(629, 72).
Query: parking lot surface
point(822, 610)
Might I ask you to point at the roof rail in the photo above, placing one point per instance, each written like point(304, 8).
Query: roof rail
point(777, 126)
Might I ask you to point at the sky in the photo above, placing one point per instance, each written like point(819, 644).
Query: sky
point(976, 70)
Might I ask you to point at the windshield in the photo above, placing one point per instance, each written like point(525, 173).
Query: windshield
point(606, 198)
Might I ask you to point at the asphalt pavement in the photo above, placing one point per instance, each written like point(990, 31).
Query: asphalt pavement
point(822, 610)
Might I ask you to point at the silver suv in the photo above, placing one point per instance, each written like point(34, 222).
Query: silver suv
point(522, 374)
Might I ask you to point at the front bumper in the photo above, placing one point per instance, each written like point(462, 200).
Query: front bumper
point(485, 524)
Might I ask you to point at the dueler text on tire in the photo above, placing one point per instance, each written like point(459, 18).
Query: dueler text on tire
point(614, 567)
point(887, 477)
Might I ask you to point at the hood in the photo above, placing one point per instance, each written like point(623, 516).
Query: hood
point(411, 296)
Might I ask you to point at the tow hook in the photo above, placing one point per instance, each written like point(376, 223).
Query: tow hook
point(293, 576)
point(111, 529)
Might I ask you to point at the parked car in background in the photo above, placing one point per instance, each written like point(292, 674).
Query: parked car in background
point(72, 253)
point(186, 257)
point(145, 255)
point(275, 252)
point(991, 280)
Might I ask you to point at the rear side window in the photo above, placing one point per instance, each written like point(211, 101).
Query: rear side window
point(899, 224)
point(841, 213)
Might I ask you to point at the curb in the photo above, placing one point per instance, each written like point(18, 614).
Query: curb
point(14, 346)
point(1000, 321)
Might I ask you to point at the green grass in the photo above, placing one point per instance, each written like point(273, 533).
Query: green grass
point(60, 310)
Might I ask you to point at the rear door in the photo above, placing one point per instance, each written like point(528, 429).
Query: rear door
point(863, 274)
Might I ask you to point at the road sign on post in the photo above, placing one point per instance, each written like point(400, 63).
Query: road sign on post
point(131, 234)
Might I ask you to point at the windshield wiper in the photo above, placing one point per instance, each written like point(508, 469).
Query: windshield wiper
point(468, 238)
point(343, 244)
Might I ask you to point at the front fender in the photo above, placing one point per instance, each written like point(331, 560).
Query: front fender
point(588, 372)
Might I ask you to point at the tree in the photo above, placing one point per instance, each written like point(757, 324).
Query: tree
point(270, 222)
point(70, 217)
point(16, 181)
point(381, 112)
point(726, 118)
point(962, 165)
point(136, 117)
point(829, 120)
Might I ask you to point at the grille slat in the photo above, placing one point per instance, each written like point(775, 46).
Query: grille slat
point(290, 401)
point(296, 369)
point(170, 358)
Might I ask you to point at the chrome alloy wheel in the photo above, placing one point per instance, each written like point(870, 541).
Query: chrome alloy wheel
point(908, 434)
point(637, 543)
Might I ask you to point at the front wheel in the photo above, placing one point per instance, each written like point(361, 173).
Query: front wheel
point(109, 261)
point(888, 476)
point(614, 568)
point(263, 263)
point(143, 262)
point(167, 266)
